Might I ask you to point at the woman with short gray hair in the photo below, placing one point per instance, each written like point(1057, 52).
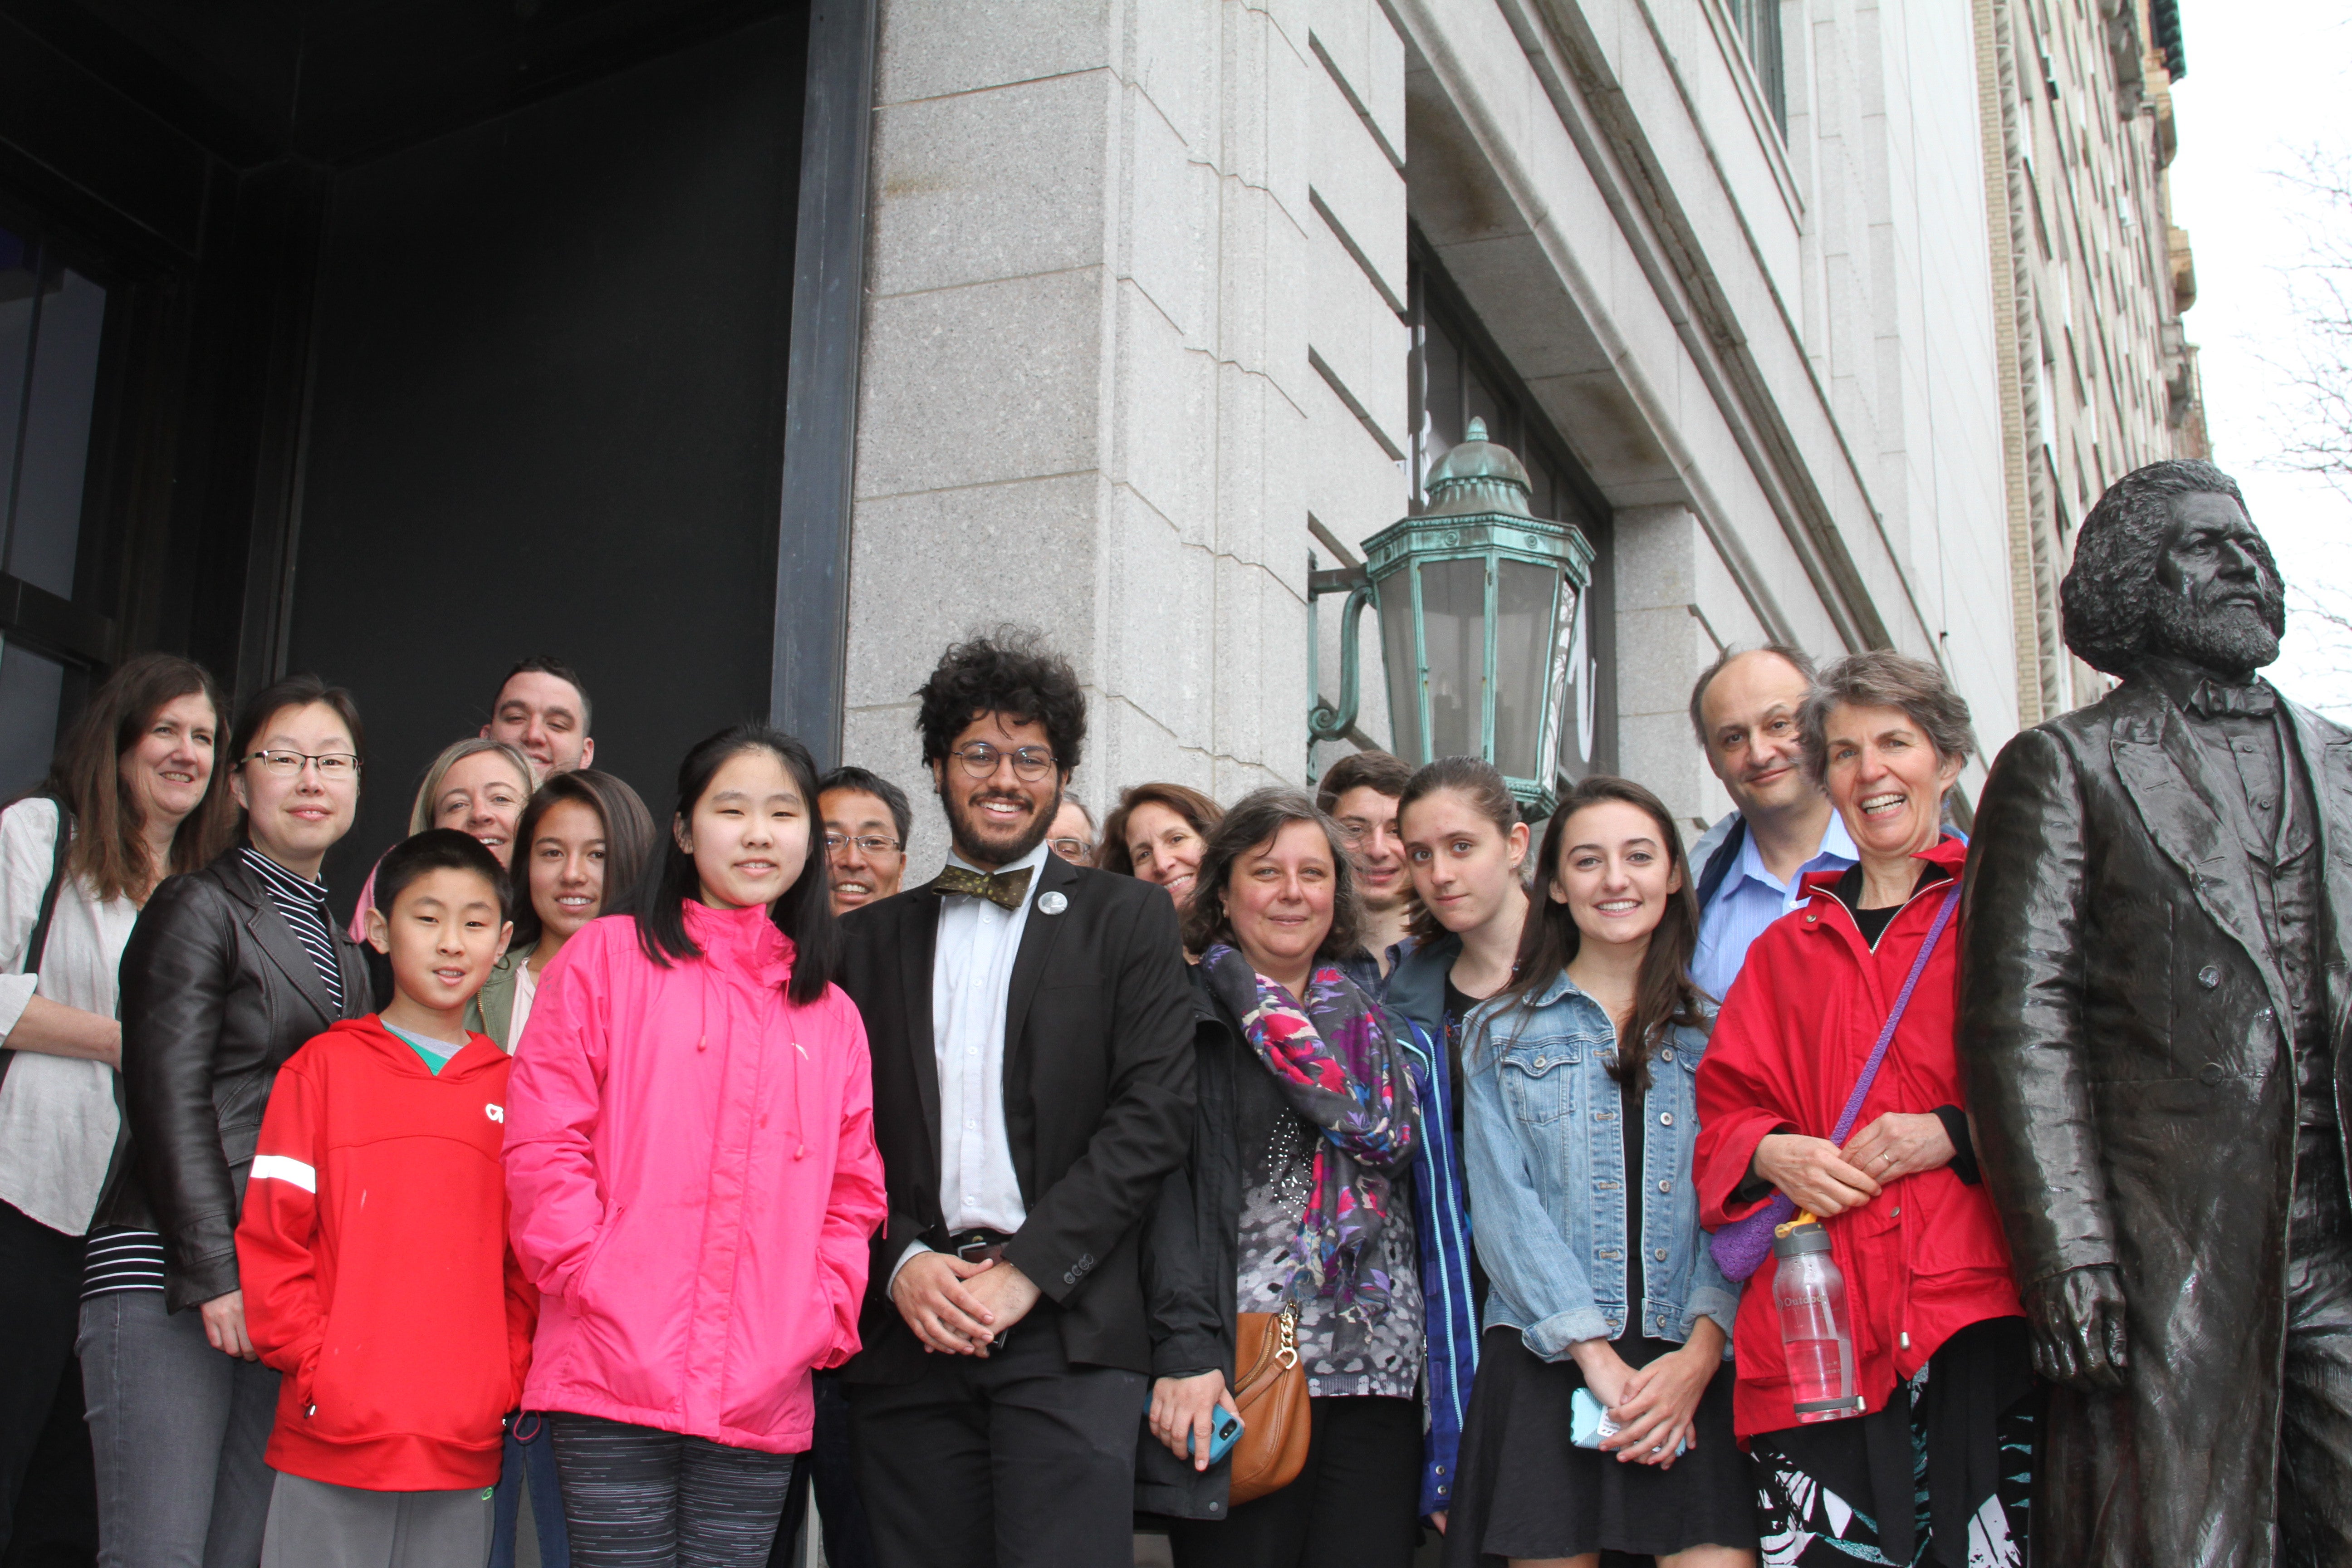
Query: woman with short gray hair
point(1873, 957)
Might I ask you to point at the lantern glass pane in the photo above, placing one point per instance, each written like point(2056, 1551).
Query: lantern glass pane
point(1525, 660)
point(1454, 630)
point(1403, 668)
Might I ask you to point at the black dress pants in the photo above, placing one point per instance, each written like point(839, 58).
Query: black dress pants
point(2315, 1494)
point(1021, 1460)
point(1353, 1506)
point(48, 1487)
point(827, 1470)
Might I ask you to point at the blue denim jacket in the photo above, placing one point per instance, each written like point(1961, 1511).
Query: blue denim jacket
point(1546, 1158)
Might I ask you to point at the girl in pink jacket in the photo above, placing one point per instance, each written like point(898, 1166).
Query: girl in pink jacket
point(689, 1148)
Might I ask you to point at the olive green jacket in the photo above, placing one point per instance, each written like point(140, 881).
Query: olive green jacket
point(492, 1012)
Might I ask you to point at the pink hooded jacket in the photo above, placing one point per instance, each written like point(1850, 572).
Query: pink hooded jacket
point(694, 1178)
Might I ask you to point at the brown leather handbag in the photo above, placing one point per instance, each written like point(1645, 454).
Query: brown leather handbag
point(1271, 1393)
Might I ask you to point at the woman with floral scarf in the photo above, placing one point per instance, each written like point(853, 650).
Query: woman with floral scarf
point(1298, 1193)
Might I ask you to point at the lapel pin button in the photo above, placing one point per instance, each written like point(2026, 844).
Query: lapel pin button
point(1052, 903)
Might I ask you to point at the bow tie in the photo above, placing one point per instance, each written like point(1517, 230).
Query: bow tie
point(2211, 699)
point(1006, 889)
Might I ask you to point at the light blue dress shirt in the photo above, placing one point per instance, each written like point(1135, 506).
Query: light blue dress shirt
point(972, 984)
point(1750, 898)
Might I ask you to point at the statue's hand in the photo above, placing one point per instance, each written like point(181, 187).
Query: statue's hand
point(2078, 1326)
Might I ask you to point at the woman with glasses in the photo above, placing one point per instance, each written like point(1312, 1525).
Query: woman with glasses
point(228, 970)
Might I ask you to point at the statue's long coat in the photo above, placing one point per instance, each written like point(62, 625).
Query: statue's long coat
point(2125, 1033)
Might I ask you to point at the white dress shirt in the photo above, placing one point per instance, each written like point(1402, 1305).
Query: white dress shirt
point(57, 1118)
point(972, 984)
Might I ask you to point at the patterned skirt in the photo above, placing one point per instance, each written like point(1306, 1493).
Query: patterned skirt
point(1818, 1485)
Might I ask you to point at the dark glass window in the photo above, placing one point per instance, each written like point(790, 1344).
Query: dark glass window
point(1759, 25)
point(52, 323)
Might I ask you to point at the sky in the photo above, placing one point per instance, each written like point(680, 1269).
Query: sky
point(2264, 82)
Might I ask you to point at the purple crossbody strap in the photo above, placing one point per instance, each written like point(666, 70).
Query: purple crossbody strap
point(1740, 1247)
point(1894, 1015)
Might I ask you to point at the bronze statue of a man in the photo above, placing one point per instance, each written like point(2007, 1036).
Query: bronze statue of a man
point(2155, 976)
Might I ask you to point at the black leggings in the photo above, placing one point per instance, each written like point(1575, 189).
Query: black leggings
point(1352, 1506)
point(637, 1497)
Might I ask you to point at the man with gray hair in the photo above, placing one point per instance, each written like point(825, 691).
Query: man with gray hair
point(1751, 864)
point(2155, 971)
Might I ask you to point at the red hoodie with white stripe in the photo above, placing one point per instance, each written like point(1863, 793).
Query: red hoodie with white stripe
point(374, 1256)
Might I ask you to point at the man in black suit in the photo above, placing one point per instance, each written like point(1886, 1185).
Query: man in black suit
point(2157, 969)
point(1031, 1030)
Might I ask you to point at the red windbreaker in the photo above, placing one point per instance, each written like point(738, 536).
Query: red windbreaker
point(1926, 1257)
point(373, 1258)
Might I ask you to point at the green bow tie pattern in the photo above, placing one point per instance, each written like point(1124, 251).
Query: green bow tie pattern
point(1006, 889)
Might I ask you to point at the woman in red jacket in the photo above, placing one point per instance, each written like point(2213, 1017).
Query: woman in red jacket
point(1939, 1338)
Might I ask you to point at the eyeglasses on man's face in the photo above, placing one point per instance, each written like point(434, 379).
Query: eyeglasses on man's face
point(867, 844)
point(980, 759)
point(1072, 849)
point(286, 764)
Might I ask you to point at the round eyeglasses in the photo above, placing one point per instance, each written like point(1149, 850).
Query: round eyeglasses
point(1030, 763)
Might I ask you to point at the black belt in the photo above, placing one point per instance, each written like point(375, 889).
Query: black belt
point(973, 1246)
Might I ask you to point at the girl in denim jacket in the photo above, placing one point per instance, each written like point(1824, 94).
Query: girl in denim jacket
point(1592, 1290)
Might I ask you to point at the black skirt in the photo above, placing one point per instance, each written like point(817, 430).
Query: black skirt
point(1527, 1490)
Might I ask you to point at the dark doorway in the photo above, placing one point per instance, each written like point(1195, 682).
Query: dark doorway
point(546, 415)
point(435, 334)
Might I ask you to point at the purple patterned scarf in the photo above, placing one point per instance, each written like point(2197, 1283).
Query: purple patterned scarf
point(1341, 1066)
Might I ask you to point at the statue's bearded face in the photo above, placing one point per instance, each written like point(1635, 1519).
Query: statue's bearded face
point(2219, 602)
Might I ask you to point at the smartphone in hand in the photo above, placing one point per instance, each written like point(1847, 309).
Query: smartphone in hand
point(1223, 1436)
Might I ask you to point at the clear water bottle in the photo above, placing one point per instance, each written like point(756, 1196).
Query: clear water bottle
point(1816, 1333)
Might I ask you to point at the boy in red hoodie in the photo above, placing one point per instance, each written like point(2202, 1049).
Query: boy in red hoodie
point(373, 1249)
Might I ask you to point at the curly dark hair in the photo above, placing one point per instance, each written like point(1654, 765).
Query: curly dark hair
point(2106, 598)
point(1009, 670)
point(1253, 824)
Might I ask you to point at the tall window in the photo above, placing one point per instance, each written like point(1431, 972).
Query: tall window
point(1759, 23)
point(52, 320)
point(1458, 374)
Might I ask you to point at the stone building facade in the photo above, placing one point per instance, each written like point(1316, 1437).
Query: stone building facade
point(1168, 296)
point(2091, 278)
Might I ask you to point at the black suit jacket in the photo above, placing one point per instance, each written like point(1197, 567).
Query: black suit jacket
point(2124, 1030)
point(1097, 1100)
point(216, 994)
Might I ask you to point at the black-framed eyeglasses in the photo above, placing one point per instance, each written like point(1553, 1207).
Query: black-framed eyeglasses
point(870, 842)
point(1071, 849)
point(1030, 763)
point(288, 764)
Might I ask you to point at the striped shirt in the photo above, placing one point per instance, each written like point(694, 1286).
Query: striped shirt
point(122, 1261)
point(304, 902)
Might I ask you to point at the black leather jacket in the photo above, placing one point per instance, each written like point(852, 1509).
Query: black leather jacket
point(216, 994)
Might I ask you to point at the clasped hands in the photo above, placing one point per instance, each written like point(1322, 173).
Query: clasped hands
point(1655, 1406)
point(957, 1307)
point(1824, 1180)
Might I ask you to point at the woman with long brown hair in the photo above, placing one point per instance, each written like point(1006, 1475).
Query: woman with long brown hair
point(131, 797)
point(1581, 1129)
